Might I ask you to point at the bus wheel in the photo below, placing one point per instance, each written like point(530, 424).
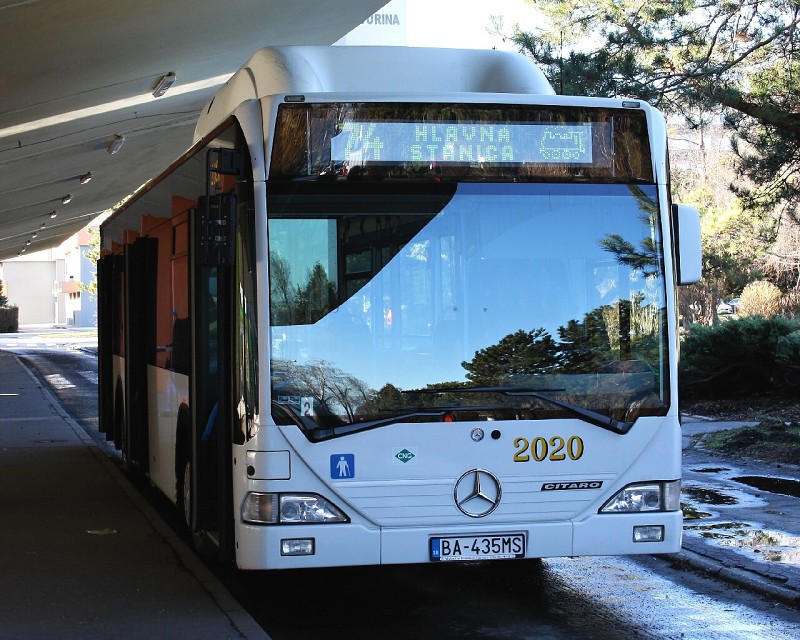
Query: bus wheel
point(200, 542)
point(119, 417)
point(183, 470)
point(185, 496)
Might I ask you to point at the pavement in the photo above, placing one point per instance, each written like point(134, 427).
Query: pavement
point(747, 536)
point(48, 336)
point(85, 556)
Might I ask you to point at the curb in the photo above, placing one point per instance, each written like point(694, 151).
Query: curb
point(239, 618)
point(740, 577)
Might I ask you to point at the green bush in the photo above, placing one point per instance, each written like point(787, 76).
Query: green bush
point(741, 356)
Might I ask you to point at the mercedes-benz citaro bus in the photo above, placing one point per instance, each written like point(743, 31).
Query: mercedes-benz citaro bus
point(403, 305)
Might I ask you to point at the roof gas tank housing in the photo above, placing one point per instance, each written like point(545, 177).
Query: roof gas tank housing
point(374, 70)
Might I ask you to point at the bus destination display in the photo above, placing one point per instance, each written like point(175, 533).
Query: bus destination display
point(550, 143)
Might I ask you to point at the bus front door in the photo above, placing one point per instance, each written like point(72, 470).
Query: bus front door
point(211, 476)
point(140, 268)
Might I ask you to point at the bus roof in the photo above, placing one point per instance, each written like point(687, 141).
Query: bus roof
point(319, 69)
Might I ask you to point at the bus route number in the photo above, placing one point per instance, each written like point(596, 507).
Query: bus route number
point(555, 449)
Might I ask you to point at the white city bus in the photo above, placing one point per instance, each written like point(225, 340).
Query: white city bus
point(403, 306)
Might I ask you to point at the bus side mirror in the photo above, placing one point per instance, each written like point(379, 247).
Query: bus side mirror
point(688, 249)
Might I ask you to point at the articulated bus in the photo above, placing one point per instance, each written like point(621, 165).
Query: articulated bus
point(403, 306)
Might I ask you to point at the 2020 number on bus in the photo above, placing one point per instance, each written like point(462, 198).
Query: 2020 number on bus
point(555, 449)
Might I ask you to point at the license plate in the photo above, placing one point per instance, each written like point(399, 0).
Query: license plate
point(486, 547)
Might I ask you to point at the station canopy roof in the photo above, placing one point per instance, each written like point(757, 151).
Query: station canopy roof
point(79, 76)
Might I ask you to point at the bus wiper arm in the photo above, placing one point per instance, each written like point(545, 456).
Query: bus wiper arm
point(592, 417)
point(322, 433)
point(587, 415)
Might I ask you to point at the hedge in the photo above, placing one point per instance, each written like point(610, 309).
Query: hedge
point(9, 319)
point(752, 354)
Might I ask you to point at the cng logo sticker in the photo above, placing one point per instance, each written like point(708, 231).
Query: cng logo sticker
point(404, 455)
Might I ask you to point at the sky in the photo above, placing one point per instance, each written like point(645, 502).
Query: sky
point(444, 23)
point(463, 23)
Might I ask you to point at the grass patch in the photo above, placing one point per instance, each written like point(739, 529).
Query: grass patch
point(772, 440)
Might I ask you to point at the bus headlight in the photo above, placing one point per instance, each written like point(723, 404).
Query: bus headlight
point(646, 496)
point(289, 508)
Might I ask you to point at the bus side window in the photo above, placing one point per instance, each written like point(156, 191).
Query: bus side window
point(181, 346)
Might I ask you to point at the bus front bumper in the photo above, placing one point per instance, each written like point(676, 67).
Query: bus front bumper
point(306, 546)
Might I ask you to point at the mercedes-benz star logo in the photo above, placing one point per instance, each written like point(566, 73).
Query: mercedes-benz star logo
point(477, 493)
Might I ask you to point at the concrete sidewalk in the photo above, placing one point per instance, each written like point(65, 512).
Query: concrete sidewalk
point(83, 556)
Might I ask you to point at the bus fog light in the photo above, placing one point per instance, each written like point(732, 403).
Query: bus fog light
point(297, 547)
point(260, 508)
point(648, 533)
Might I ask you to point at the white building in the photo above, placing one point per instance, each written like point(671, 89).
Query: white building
point(49, 286)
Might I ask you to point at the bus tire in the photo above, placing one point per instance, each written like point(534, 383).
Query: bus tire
point(185, 496)
point(119, 414)
point(183, 470)
point(185, 493)
point(200, 542)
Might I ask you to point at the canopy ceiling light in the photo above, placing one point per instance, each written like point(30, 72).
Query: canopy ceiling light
point(86, 177)
point(53, 214)
point(164, 83)
point(66, 199)
point(116, 144)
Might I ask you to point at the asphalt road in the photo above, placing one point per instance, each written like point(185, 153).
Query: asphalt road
point(611, 598)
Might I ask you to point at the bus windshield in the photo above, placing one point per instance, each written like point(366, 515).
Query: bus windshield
point(382, 294)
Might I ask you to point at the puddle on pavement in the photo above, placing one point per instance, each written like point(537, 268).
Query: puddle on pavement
point(783, 486)
point(766, 545)
point(753, 541)
point(693, 513)
point(711, 470)
point(749, 539)
point(705, 495)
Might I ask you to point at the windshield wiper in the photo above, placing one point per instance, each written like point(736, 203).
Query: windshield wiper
point(288, 415)
point(323, 433)
point(587, 415)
